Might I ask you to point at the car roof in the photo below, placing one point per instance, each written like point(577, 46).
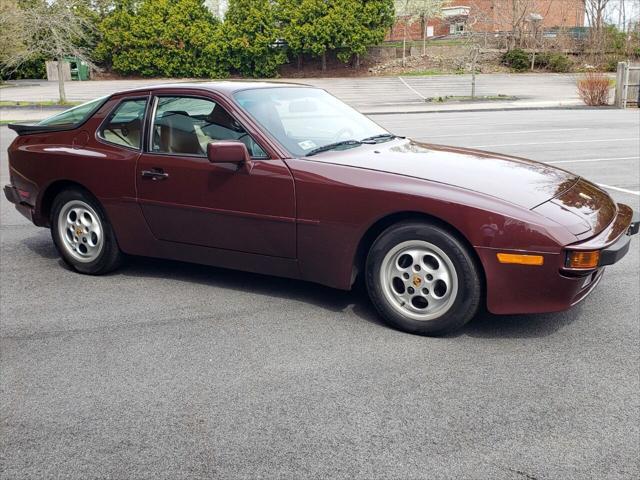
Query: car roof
point(225, 87)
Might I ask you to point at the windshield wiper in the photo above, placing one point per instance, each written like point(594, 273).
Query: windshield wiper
point(331, 146)
point(381, 137)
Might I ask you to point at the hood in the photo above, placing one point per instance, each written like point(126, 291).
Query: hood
point(585, 209)
point(518, 181)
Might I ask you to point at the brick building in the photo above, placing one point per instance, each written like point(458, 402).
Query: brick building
point(496, 16)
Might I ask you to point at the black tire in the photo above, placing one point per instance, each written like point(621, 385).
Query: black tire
point(464, 304)
point(109, 257)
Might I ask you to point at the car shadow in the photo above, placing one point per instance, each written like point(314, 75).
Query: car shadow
point(485, 325)
point(326, 298)
point(488, 325)
point(42, 245)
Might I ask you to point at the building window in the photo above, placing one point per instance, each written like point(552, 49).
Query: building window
point(457, 28)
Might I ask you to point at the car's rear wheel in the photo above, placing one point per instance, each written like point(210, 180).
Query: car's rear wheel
point(422, 279)
point(82, 234)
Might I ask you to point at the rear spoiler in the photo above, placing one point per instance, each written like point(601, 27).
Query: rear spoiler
point(21, 129)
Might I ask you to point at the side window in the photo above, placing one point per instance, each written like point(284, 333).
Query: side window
point(124, 126)
point(75, 115)
point(185, 125)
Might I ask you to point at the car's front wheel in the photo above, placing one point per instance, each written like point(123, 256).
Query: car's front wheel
point(82, 234)
point(422, 279)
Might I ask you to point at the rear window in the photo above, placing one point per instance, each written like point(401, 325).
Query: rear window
point(75, 115)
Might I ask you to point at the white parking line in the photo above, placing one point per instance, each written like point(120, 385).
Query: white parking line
point(624, 190)
point(512, 132)
point(412, 89)
point(635, 139)
point(587, 160)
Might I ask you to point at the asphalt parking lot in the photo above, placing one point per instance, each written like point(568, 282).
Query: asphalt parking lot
point(170, 370)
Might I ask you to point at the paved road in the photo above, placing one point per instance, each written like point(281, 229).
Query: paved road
point(365, 93)
point(169, 370)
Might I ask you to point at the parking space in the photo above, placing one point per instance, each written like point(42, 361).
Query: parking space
point(171, 370)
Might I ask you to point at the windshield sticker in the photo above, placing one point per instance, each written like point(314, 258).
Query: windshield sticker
point(306, 145)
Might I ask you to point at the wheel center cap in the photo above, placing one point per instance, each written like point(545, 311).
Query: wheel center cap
point(78, 230)
point(416, 281)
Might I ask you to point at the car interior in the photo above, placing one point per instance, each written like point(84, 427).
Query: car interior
point(178, 132)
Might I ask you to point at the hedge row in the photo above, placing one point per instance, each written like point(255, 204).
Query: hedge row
point(181, 38)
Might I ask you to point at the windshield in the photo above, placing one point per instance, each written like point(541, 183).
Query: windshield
point(305, 119)
point(75, 115)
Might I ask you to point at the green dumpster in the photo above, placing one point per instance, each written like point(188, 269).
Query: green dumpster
point(79, 69)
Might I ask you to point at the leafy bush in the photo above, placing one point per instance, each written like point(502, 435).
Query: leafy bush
point(594, 89)
point(31, 69)
point(611, 65)
point(555, 62)
point(314, 27)
point(615, 39)
point(364, 24)
point(170, 38)
point(517, 59)
point(248, 39)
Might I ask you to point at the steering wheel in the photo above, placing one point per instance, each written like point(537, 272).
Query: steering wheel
point(343, 134)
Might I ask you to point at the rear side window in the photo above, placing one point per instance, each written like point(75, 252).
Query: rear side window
point(75, 115)
point(124, 125)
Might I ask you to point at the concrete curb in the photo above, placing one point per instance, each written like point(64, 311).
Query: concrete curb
point(488, 109)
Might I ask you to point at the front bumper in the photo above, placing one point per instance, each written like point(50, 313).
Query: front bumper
point(614, 241)
point(519, 289)
point(619, 249)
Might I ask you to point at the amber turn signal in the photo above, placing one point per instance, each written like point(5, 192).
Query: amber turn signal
point(578, 259)
point(520, 259)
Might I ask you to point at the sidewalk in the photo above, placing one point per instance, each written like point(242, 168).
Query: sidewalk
point(370, 95)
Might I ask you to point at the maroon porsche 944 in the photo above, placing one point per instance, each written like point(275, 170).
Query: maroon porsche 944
point(287, 180)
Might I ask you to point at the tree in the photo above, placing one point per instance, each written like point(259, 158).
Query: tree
point(596, 15)
point(171, 38)
point(250, 36)
point(307, 27)
point(51, 30)
point(315, 27)
point(424, 10)
point(12, 36)
point(367, 24)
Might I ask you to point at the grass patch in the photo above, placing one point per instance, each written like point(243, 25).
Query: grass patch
point(422, 73)
point(48, 103)
point(478, 98)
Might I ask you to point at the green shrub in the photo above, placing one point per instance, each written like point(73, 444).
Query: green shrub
point(611, 65)
point(517, 59)
point(248, 39)
point(166, 38)
point(31, 69)
point(554, 62)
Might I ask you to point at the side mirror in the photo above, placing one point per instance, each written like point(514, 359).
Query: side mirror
point(229, 152)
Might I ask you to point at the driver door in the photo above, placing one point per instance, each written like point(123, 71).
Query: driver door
point(188, 200)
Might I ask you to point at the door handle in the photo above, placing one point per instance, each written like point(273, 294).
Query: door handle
point(154, 174)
